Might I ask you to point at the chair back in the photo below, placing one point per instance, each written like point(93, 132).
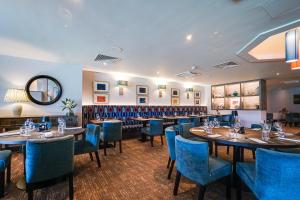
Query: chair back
point(192, 159)
point(184, 129)
point(92, 135)
point(170, 137)
point(47, 159)
point(277, 175)
point(256, 126)
point(183, 120)
point(156, 126)
point(196, 121)
point(112, 131)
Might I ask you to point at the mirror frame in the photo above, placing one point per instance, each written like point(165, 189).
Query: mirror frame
point(27, 89)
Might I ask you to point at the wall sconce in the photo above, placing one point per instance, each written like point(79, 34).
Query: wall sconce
point(291, 46)
point(188, 90)
point(121, 84)
point(160, 88)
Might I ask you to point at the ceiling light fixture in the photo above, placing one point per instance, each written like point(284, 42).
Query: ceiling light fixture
point(189, 37)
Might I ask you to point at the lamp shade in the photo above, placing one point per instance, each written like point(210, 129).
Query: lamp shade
point(291, 46)
point(15, 96)
point(122, 83)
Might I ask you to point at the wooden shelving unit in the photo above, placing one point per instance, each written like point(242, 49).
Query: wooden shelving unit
point(247, 95)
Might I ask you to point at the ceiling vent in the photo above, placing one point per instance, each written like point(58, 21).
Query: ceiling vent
point(226, 65)
point(194, 71)
point(107, 59)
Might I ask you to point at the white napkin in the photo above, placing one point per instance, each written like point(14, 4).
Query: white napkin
point(291, 140)
point(226, 126)
point(256, 129)
point(257, 140)
point(48, 134)
point(199, 130)
point(214, 135)
point(9, 133)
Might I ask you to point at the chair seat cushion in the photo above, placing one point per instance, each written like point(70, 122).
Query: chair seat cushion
point(247, 173)
point(81, 147)
point(292, 150)
point(218, 168)
point(197, 139)
point(5, 156)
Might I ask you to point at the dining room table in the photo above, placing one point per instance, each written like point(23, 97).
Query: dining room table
point(250, 139)
point(100, 121)
point(16, 138)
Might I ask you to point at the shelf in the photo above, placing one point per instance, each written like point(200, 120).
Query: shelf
point(218, 97)
point(250, 96)
point(233, 97)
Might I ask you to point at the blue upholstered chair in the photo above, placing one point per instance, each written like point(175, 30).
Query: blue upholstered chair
point(90, 144)
point(194, 163)
point(170, 134)
point(111, 132)
point(5, 163)
point(48, 161)
point(275, 175)
point(183, 120)
point(155, 129)
point(196, 121)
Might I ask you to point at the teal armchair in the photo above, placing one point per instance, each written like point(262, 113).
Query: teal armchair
point(90, 144)
point(111, 132)
point(183, 120)
point(155, 129)
point(49, 161)
point(196, 121)
point(5, 164)
point(170, 134)
point(274, 175)
point(194, 163)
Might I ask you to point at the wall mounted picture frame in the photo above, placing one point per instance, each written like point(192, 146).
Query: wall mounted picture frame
point(142, 100)
point(142, 90)
point(197, 94)
point(101, 86)
point(101, 99)
point(175, 92)
point(175, 101)
point(197, 102)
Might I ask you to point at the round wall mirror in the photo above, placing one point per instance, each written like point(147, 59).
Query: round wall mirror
point(43, 90)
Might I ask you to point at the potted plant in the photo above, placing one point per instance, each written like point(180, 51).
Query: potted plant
point(69, 105)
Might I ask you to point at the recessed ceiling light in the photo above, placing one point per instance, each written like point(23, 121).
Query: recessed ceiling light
point(277, 74)
point(104, 63)
point(189, 37)
point(216, 33)
point(157, 72)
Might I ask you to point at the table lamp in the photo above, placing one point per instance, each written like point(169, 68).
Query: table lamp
point(16, 96)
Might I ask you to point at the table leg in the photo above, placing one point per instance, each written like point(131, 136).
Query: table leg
point(143, 136)
point(236, 158)
point(21, 184)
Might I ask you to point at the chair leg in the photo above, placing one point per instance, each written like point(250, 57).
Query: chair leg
point(120, 146)
point(169, 162)
point(162, 141)
point(216, 150)
point(210, 144)
point(238, 188)
point(253, 154)
point(29, 193)
point(201, 192)
point(177, 181)
point(71, 187)
point(151, 140)
point(8, 173)
point(98, 158)
point(2, 184)
point(227, 151)
point(228, 187)
point(91, 156)
point(171, 169)
point(105, 148)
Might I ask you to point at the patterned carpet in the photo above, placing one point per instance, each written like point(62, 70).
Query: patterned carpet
point(138, 173)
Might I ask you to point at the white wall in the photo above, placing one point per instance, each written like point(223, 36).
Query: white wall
point(129, 97)
point(15, 72)
point(279, 98)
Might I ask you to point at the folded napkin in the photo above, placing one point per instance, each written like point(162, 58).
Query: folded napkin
point(48, 134)
point(291, 140)
point(71, 128)
point(196, 129)
point(226, 126)
point(214, 135)
point(256, 129)
point(289, 134)
point(9, 134)
point(257, 140)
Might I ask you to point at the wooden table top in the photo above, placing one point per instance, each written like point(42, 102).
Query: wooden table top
point(244, 141)
point(100, 122)
point(16, 138)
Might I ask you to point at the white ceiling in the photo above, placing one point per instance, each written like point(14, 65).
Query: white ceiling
point(151, 34)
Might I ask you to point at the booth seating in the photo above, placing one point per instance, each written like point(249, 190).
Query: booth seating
point(127, 112)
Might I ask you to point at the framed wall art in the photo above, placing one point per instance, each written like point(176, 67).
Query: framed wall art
point(101, 99)
point(175, 101)
point(142, 100)
point(175, 92)
point(142, 90)
point(101, 86)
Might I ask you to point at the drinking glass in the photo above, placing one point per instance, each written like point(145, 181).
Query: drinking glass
point(98, 117)
point(278, 127)
point(265, 133)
